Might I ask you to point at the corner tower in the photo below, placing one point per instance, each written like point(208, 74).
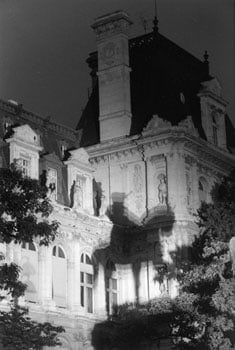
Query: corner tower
point(113, 74)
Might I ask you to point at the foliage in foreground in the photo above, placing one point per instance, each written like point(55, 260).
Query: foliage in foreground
point(24, 217)
point(208, 284)
point(202, 316)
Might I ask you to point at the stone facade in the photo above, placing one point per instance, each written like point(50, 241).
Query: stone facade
point(126, 204)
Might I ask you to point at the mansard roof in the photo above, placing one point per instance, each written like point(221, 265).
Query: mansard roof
point(164, 80)
point(52, 135)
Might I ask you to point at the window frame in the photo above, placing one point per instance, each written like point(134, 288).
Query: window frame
point(110, 291)
point(86, 286)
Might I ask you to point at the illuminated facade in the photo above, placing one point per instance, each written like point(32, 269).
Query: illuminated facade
point(152, 140)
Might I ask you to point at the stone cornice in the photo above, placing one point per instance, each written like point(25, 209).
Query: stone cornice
point(174, 139)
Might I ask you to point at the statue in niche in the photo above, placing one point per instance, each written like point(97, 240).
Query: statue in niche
point(103, 205)
point(52, 191)
point(77, 195)
point(162, 190)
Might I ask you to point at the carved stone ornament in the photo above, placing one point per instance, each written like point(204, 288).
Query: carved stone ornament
point(108, 52)
point(188, 124)
point(213, 86)
point(155, 124)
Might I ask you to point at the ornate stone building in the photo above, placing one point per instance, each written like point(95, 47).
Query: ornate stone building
point(152, 140)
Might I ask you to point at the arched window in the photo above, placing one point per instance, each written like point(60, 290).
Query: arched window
point(86, 283)
point(202, 189)
point(59, 276)
point(29, 264)
point(111, 287)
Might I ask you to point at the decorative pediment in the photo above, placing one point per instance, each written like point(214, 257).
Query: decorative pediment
point(79, 155)
point(188, 124)
point(155, 124)
point(212, 86)
point(26, 134)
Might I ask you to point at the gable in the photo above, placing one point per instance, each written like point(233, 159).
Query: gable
point(26, 134)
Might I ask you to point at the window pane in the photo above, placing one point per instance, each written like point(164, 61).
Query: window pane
point(114, 298)
point(82, 295)
point(54, 251)
point(107, 282)
point(24, 245)
point(2, 257)
point(114, 284)
point(88, 278)
point(32, 246)
point(61, 253)
point(88, 260)
point(89, 300)
point(82, 277)
point(107, 302)
point(82, 258)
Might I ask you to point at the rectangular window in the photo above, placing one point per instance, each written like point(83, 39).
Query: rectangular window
point(114, 284)
point(111, 294)
point(82, 277)
point(114, 299)
point(82, 296)
point(88, 278)
point(89, 300)
point(24, 165)
point(108, 302)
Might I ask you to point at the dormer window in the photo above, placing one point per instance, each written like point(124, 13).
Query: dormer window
point(24, 150)
point(24, 165)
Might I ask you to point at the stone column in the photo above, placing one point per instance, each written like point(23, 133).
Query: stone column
point(195, 194)
point(99, 292)
point(73, 299)
point(9, 253)
point(177, 188)
point(45, 277)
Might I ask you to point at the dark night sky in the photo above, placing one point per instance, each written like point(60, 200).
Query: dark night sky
point(44, 45)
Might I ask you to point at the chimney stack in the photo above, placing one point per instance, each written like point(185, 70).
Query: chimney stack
point(113, 74)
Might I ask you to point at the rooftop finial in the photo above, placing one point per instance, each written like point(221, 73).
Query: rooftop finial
point(206, 63)
point(155, 21)
point(206, 56)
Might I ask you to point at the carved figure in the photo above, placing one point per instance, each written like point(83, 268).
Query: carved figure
point(52, 191)
point(103, 205)
point(77, 195)
point(162, 190)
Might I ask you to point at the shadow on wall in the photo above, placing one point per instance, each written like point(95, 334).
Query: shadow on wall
point(146, 260)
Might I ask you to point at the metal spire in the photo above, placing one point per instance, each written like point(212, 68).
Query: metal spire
point(155, 21)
